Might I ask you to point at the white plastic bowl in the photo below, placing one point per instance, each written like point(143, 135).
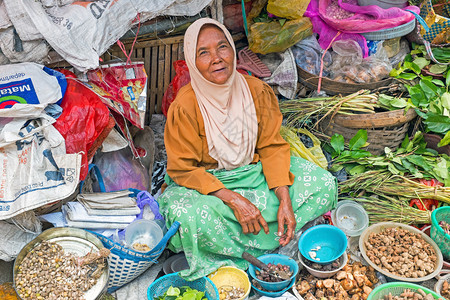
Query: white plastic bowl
point(351, 218)
point(323, 274)
point(145, 232)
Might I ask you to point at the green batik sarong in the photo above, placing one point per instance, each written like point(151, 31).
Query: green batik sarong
point(211, 236)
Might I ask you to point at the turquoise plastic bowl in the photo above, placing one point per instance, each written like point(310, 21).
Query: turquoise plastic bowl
point(331, 240)
point(275, 259)
point(275, 294)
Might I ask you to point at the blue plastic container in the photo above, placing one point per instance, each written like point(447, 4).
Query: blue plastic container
point(331, 240)
point(275, 294)
point(275, 259)
point(161, 285)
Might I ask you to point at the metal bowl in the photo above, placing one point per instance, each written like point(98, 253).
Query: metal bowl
point(72, 240)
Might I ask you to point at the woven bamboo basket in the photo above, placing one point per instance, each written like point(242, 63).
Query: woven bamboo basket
point(385, 129)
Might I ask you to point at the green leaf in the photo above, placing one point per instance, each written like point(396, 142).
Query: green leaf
point(441, 168)
point(416, 68)
point(282, 21)
point(445, 140)
point(392, 169)
point(438, 82)
point(405, 142)
point(437, 123)
point(173, 291)
point(335, 168)
point(421, 62)
point(358, 140)
point(357, 170)
point(396, 72)
point(445, 100)
point(428, 88)
point(407, 76)
point(447, 78)
point(337, 142)
point(419, 161)
point(418, 97)
point(398, 102)
point(438, 69)
point(356, 154)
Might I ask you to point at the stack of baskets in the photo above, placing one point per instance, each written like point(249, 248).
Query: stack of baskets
point(384, 129)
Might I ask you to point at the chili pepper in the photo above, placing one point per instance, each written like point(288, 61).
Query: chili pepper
point(425, 204)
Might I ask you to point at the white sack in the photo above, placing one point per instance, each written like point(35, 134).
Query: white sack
point(25, 27)
point(34, 170)
point(82, 31)
point(5, 22)
point(33, 51)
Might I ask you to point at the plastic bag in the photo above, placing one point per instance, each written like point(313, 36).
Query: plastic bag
point(298, 149)
point(289, 9)
point(269, 37)
point(338, 20)
point(308, 55)
point(120, 170)
point(83, 119)
point(181, 78)
point(124, 87)
point(350, 67)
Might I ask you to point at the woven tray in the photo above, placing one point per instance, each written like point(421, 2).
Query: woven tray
point(378, 138)
point(376, 120)
point(333, 87)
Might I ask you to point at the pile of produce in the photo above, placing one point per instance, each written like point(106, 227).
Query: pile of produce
point(445, 226)
point(445, 291)
point(182, 293)
point(355, 282)
point(265, 275)
point(327, 267)
point(47, 272)
point(227, 292)
point(410, 295)
point(401, 252)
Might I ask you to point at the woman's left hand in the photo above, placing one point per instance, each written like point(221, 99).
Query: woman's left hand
point(285, 216)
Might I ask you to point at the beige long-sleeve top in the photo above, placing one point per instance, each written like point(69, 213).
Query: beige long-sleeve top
point(187, 148)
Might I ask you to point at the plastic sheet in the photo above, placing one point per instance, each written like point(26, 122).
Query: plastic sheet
point(350, 67)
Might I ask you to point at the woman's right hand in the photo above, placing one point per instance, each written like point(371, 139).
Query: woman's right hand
point(247, 214)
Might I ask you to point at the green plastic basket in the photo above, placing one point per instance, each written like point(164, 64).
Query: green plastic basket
point(396, 289)
point(437, 233)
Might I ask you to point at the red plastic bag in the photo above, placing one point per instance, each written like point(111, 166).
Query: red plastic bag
point(181, 78)
point(83, 119)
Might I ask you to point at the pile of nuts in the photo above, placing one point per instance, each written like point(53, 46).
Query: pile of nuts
point(401, 252)
point(47, 272)
point(227, 292)
point(265, 275)
point(445, 291)
point(411, 295)
point(354, 282)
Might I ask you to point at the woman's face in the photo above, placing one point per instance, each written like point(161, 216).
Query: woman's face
point(214, 55)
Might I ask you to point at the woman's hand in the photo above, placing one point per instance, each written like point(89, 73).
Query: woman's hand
point(247, 214)
point(285, 216)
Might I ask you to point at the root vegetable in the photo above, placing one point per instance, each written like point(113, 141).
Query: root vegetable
point(303, 288)
point(328, 283)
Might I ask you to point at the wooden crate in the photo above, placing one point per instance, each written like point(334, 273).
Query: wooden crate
point(158, 56)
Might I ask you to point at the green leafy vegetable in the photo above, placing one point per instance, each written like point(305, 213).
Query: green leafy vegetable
point(182, 293)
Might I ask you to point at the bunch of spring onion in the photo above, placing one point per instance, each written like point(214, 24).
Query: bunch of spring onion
point(402, 187)
point(391, 209)
point(300, 111)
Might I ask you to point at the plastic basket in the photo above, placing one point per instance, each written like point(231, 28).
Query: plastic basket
point(161, 285)
point(396, 289)
point(126, 264)
point(437, 233)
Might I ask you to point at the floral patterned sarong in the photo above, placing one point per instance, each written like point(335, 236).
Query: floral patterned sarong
point(209, 233)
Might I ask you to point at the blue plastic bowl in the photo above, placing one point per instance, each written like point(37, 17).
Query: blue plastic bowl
point(275, 294)
point(331, 240)
point(161, 285)
point(275, 259)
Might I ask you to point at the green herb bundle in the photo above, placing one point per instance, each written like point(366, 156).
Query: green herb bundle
point(182, 293)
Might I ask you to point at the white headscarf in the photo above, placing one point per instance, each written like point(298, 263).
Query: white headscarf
point(228, 109)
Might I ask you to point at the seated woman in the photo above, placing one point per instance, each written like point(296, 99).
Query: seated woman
point(231, 181)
